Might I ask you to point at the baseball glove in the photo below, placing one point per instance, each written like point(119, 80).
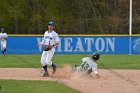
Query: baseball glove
point(47, 47)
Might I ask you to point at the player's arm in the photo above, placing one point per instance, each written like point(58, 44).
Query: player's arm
point(57, 40)
point(0, 36)
point(97, 74)
point(6, 36)
point(42, 42)
point(94, 69)
point(83, 62)
point(55, 44)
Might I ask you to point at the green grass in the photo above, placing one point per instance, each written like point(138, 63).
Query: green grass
point(33, 61)
point(120, 61)
point(22, 86)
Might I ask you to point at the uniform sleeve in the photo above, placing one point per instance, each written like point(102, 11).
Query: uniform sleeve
point(0, 35)
point(94, 69)
point(43, 41)
point(56, 38)
point(84, 60)
point(6, 36)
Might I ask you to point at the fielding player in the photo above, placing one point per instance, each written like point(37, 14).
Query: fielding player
point(50, 41)
point(3, 39)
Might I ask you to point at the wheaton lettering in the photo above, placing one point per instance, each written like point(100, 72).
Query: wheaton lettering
point(84, 44)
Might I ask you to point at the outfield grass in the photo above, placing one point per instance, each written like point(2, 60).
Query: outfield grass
point(22, 86)
point(120, 61)
point(33, 61)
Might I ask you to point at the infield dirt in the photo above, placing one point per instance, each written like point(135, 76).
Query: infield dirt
point(111, 81)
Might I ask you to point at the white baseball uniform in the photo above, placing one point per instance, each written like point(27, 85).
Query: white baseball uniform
point(88, 63)
point(3, 38)
point(49, 39)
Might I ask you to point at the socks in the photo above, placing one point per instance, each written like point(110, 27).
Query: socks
point(45, 68)
point(3, 52)
point(53, 65)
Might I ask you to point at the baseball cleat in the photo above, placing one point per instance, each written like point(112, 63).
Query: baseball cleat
point(45, 74)
point(74, 68)
point(54, 70)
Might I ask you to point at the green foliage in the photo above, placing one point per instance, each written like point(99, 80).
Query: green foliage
point(70, 16)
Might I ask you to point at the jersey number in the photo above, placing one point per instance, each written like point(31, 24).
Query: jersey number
point(86, 65)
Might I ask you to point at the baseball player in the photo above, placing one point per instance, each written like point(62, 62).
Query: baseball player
point(50, 41)
point(88, 65)
point(3, 39)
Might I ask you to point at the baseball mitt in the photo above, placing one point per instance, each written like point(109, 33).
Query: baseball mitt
point(47, 47)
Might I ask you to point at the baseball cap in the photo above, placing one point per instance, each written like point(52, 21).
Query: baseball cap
point(51, 23)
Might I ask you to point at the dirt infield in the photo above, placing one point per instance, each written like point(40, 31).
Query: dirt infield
point(112, 81)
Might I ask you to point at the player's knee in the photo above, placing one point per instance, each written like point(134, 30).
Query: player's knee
point(89, 71)
point(43, 63)
point(49, 62)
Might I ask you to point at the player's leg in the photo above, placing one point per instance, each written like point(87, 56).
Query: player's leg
point(89, 71)
point(4, 47)
point(54, 68)
point(44, 64)
point(5, 51)
point(74, 68)
point(49, 59)
point(46, 73)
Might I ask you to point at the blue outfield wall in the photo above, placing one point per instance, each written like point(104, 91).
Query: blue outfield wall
point(76, 44)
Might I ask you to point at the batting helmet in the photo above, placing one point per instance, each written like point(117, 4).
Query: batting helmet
point(51, 23)
point(96, 56)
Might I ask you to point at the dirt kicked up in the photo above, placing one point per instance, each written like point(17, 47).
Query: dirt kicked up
point(111, 81)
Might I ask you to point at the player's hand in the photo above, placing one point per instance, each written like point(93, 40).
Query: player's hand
point(51, 46)
point(98, 76)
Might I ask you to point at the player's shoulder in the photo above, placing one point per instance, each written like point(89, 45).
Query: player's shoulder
point(45, 32)
point(54, 33)
point(5, 33)
point(85, 58)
